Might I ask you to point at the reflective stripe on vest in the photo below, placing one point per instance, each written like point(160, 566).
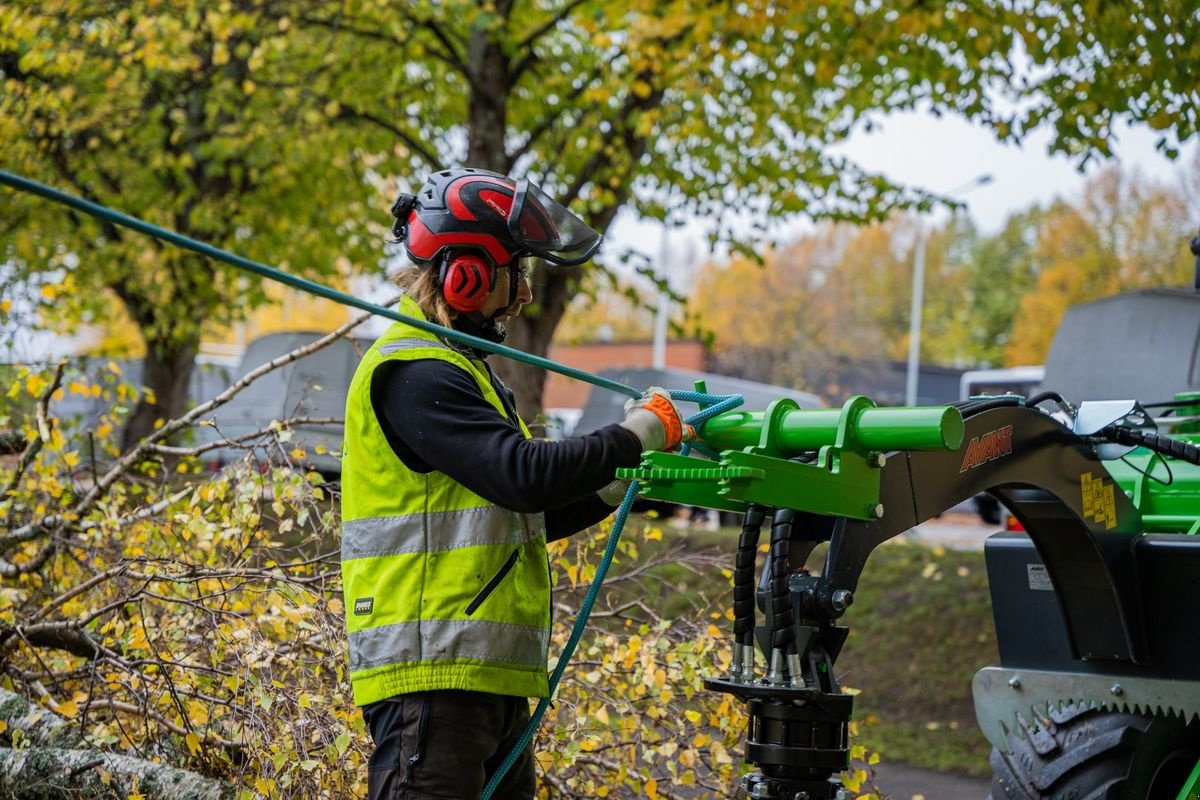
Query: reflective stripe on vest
point(443, 589)
point(469, 639)
point(437, 530)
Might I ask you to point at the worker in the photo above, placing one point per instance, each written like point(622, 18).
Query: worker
point(447, 501)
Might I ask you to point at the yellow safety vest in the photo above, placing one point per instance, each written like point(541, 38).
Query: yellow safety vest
point(443, 589)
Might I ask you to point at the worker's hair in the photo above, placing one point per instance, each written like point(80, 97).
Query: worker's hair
point(421, 284)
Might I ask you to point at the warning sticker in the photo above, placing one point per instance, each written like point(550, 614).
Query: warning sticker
point(1039, 579)
point(1099, 499)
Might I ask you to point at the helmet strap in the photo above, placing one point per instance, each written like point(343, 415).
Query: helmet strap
point(476, 324)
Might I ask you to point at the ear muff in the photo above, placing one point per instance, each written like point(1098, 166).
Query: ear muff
point(466, 280)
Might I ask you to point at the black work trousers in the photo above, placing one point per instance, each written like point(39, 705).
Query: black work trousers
point(446, 745)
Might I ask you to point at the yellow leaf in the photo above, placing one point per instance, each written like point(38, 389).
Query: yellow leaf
point(297, 453)
point(851, 781)
point(651, 788)
point(34, 384)
point(67, 708)
point(3, 726)
point(49, 291)
point(654, 535)
point(137, 641)
point(193, 742)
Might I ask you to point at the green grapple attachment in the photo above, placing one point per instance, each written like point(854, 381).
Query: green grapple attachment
point(825, 461)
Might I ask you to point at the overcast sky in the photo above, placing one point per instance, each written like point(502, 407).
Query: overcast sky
point(942, 154)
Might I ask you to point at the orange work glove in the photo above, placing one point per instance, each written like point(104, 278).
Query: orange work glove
point(655, 420)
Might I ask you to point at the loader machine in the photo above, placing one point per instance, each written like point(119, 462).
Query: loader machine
point(1097, 693)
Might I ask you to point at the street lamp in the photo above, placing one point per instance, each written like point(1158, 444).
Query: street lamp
point(918, 297)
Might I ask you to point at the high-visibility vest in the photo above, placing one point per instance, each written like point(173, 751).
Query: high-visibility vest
point(443, 589)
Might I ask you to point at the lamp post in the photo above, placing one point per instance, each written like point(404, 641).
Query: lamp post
point(918, 297)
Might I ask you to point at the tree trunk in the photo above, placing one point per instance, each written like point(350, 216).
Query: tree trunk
point(38, 725)
point(51, 773)
point(50, 766)
point(166, 372)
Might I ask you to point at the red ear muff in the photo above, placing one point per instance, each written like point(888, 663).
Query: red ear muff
point(467, 281)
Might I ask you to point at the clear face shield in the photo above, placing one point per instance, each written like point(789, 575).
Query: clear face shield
point(545, 229)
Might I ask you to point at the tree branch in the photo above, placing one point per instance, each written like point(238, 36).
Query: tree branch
point(51, 771)
point(45, 429)
point(430, 157)
point(549, 25)
point(135, 455)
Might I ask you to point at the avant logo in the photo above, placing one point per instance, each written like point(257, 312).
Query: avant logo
point(988, 447)
point(364, 606)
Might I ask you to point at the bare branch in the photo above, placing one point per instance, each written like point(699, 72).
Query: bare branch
point(9, 569)
point(45, 427)
point(164, 449)
point(138, 452)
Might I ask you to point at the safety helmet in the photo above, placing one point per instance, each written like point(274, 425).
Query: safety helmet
point(490, 214)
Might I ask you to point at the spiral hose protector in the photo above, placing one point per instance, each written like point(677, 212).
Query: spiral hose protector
point(1175, 448)
point(781, 606)
point(743, 575)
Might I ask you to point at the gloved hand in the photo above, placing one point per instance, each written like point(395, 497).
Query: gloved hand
point(655, 420)
point(614, 492)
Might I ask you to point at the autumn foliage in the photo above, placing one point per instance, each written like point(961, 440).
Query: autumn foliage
point(184, 617)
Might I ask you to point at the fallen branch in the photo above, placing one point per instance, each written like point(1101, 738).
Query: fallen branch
point(40, 772)
point(38, 725)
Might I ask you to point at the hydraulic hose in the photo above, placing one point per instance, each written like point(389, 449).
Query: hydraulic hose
point(780, 618)
point(242, 263)
point(1164, 445)
point(743, 576)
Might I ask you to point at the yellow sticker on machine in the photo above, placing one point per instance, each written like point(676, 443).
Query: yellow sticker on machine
point(1099, 499)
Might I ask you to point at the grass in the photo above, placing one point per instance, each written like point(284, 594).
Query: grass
point(920, 628)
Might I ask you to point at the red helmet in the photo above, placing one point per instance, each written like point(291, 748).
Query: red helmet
point(488, 213)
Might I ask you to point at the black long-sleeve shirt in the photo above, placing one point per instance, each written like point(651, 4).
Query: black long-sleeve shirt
point(436, 419)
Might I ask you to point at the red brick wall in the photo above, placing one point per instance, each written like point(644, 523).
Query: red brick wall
point(564, 392)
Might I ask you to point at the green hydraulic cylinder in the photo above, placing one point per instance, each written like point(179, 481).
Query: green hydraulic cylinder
point(841, 478)
point(790, 431)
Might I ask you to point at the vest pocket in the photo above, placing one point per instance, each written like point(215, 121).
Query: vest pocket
point(493, 583)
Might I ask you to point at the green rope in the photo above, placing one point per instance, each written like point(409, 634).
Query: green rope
point(178, 239)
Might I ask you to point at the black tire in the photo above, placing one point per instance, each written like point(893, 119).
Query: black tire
point(1089, 754)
